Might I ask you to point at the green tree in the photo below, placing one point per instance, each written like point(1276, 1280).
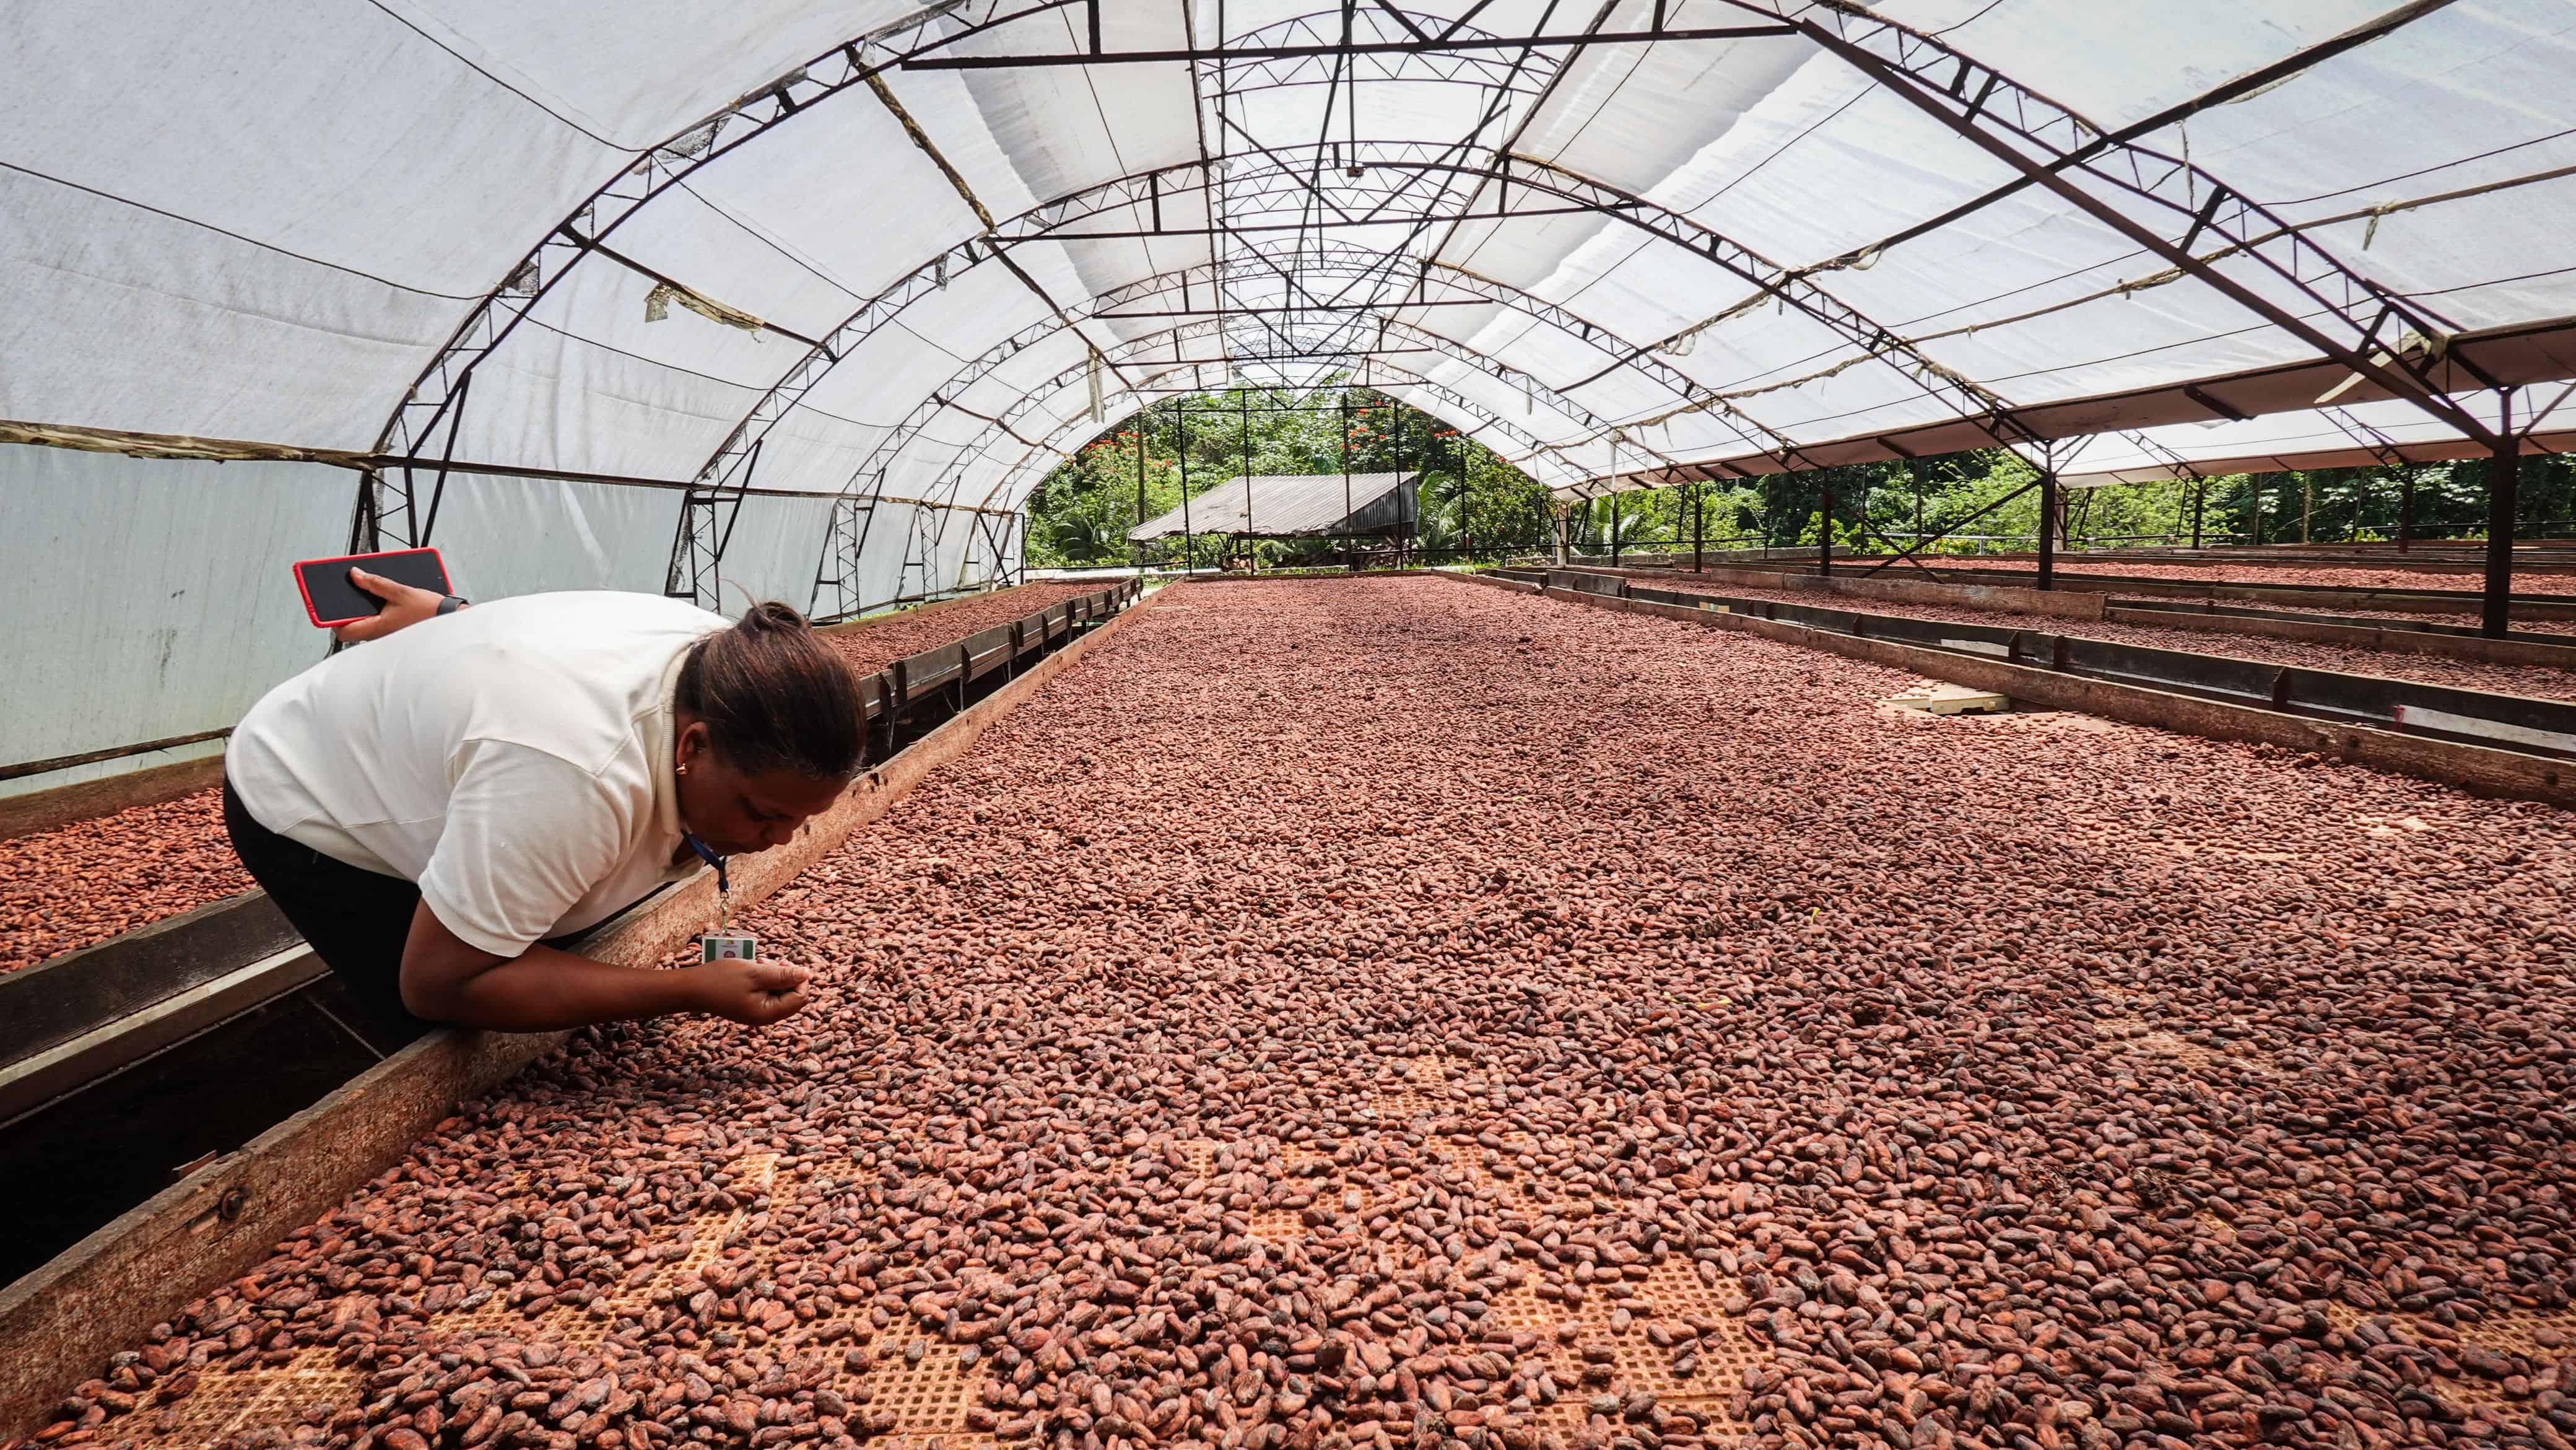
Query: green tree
point(1081, 512)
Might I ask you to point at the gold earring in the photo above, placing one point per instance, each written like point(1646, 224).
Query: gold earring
point(682, 770)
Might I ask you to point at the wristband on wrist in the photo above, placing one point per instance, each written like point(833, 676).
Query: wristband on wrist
point(451, 604)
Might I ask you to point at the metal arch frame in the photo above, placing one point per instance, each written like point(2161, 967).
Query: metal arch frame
point(1406, 377)
point(1000, 424)
point(1975, 100)
point(724, 470)
point(1341, 261)
point(1986, 107)
point(438, 392)
point(1961, 397)
point(1444, 397)
point(656, 171)
point(963, 461)
point(853, 514)
point(1043, 223)
point(1887, 51)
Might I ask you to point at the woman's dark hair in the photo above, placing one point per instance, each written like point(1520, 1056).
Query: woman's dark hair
point(776, 697)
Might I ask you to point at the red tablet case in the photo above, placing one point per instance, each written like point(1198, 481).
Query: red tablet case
point(346, 561)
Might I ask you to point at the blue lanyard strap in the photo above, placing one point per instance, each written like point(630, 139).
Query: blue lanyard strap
point(708, 854)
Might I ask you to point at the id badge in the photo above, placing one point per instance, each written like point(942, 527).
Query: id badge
point(728, 946)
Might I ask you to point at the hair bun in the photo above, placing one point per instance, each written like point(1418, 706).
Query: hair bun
point(771, 614)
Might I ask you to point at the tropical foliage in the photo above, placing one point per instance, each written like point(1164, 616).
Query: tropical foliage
point(1474, 504)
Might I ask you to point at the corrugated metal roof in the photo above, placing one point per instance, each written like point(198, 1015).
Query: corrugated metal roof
point(1290, 503)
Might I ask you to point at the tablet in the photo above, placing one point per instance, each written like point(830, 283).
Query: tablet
point(330, 599)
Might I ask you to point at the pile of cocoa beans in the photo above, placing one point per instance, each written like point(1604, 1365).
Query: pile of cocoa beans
point(1398, 1013)
point(77, 885)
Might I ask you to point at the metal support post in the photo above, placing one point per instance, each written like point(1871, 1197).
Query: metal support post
point(1466, 511)
point(2048, 521)
point(2405, 508)
point(1189, 542)
point(2307, 503)
point(1564, 528)
point(2199, 507)
point(1699, 525)
point(1403, 525)
point(1614, 531)
point(1350, 539)
point(1825, 525)
point(1243, 401)
point(2504, 477)
point(363, 519)
point(1140, 490)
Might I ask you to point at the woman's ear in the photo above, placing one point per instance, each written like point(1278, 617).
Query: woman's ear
point(691, 748)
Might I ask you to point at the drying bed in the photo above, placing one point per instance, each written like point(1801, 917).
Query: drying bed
point(875, 643)
point(1393, 1012)
point(2541, 681)
point(76, 885)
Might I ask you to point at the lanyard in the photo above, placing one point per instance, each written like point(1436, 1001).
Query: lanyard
point(724, 888)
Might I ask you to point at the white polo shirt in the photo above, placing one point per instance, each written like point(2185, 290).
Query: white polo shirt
point(513, 758)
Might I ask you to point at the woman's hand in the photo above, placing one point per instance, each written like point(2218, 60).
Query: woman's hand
point(404, 606)
point(543, 989)
point(753, 993)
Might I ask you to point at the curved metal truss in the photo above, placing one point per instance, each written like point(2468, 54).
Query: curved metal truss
point(2163, 203)
point(1449, 399)
point(1352, 262)
point(855, 516)
point(663, 167)
point(1339, 47)
point(386, 510)
point(1135, 350)
point(1385, 165)
point(2353, 322)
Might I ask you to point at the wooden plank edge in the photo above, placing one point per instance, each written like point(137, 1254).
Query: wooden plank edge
point(61, 1322)
point(2477, 769)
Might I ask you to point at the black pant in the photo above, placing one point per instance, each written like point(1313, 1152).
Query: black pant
point(355, 920)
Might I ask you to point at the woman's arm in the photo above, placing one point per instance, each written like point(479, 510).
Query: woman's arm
point(446, 979)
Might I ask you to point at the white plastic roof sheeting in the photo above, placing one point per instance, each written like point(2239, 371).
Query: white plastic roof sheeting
point(276, 224)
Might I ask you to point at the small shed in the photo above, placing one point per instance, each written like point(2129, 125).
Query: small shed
point(1296, 505)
